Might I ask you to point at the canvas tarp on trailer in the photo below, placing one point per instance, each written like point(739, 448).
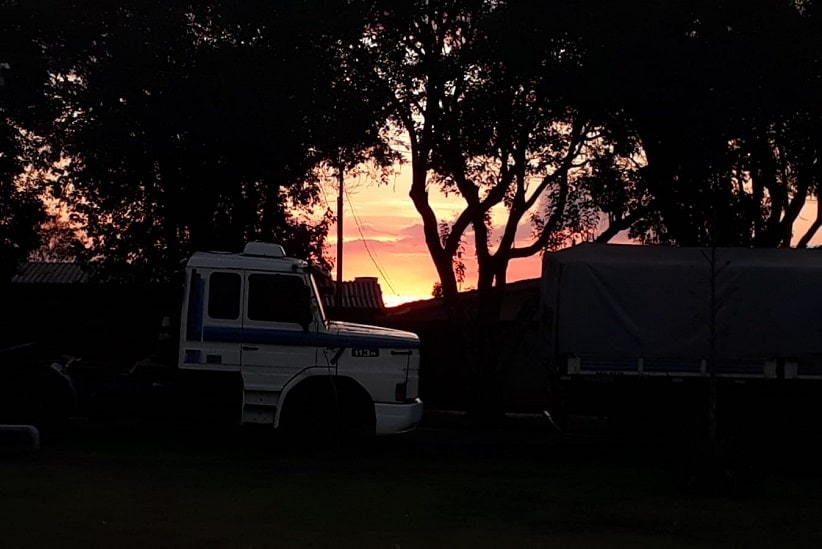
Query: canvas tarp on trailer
point(623, 301)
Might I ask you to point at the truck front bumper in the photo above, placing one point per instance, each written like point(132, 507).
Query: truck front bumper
point(398, 418)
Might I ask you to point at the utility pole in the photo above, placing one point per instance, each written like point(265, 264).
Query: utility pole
point(339, 287)
point(713, 387)
point(713, 420)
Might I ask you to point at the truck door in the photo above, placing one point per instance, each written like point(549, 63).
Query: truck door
point(213, 320)
point(276, 344)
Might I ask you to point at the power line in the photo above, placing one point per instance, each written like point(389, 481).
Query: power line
point(325, 196)
point(367, 248)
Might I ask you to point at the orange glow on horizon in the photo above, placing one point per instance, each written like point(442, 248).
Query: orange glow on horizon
point(383, 238)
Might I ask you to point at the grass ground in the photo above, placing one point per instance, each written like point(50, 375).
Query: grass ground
point(439, 487)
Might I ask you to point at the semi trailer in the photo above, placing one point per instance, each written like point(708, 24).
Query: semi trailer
point(641, 332)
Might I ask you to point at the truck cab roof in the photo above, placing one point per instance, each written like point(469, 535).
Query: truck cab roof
point(257, 256)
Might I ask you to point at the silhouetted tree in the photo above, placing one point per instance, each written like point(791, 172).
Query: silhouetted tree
point(478, 89)
point(722, 96)
point(23, 77)
point(197, 126)
point(675, 121)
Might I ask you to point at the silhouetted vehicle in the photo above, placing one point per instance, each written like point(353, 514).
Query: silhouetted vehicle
point(255, 347)
point(636, 333)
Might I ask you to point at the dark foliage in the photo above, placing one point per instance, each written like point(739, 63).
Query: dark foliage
point(196, 126)
point(723, 97)
point(199, 125)
point(22, 105)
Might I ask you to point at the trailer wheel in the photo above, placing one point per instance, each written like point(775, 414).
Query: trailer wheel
point(324, 406)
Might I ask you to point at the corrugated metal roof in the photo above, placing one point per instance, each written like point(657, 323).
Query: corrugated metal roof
point(361, 293)
point(44, 272)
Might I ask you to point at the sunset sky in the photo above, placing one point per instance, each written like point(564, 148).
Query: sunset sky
point(392, 230)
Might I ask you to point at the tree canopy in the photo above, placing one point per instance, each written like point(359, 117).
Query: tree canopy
point(169, 126)
point(23, 105)
point(195, 126)
point(723, 98)
point(688, 123)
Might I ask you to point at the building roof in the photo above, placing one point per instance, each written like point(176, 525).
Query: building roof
point(363, 292)
point(46, 272)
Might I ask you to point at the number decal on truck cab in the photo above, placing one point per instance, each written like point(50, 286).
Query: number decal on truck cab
point(365, 352)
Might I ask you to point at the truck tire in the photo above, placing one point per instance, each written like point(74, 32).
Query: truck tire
point(37, 394)
point(324, 406)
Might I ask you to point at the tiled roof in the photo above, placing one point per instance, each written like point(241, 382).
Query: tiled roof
point(363, 292)
point(44, 272)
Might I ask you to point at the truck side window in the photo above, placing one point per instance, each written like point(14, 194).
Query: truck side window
point(278, 298)
point(224, 296)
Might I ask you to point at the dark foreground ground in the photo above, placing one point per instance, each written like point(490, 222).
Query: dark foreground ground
point(448, 485)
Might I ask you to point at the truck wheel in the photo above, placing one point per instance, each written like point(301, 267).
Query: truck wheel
point(325, 406)
point(40, 396)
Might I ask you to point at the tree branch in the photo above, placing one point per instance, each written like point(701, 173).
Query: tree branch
point(547, 229)
point(622, 223)
point(518, 205)
point(577, 139)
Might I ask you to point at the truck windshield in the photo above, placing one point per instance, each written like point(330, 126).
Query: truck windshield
point(318, 298)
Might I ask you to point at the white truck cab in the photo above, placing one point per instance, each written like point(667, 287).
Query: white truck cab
point(259, 314)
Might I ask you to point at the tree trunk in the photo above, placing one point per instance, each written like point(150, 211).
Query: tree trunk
point(817, 223)
point(442, 262)
point(484, 334)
